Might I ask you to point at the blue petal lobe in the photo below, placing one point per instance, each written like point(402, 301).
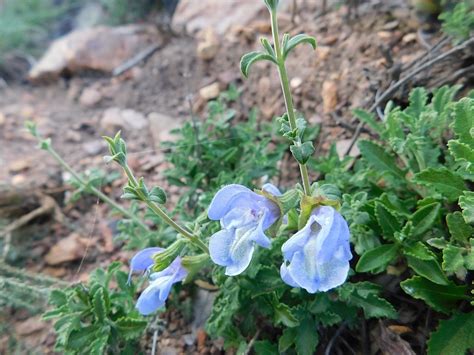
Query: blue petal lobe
point(220, 203)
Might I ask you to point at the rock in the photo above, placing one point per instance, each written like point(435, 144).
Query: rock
point(329, 94)
point(385, 35)
point(390, 26)
point(19, 165)
point(93, 147)
point(29, 326)
point(210, 92)
point(208, 45)
point(19, 180)
point(160, 127)
point(115, 118)
point(410, 37)
point(296, 82)
point(201, 339)
point(343, 145)
point(168, 350)
point(100, 48)
point(90, 97)
point(194, 15)
point(322, 52)
point(73, 136)
point(68, 249)
point(55, 271)
point(3, 119)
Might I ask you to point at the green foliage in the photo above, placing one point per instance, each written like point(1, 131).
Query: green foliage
point(459, 22)
point(219, 151)
point(96, 318)
point(125, 11)
point(454, 336)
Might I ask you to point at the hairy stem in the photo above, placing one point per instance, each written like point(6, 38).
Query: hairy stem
point(285, 85)
point(94, 190)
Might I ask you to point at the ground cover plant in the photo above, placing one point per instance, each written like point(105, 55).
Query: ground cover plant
point(294, 266)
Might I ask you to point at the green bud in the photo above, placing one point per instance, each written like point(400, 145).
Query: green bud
point(194, 263)
point(165, 258)
point(272, 4)
point(302, 152)
point(158, 195)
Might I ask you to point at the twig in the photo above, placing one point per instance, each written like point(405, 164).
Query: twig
point(334, 337)
point(455, 76)
point(403, 81)
point(139, 57)
point(155, 340)
point(252, 341)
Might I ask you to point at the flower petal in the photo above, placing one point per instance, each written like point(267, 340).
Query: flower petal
point(333, 273)
point(150, 300)
point(143, 260)
point(272, 189)
point(219, 246)
point(286, 277)
point(220, 203)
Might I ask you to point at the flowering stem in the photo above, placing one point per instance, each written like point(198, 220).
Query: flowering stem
point(94, 190)
point(285, 85)
point(162, 214)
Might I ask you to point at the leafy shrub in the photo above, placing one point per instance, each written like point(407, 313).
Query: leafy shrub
point(96, 318)
point(459, 22)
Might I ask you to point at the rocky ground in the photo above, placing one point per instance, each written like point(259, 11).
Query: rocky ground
point(76, 101)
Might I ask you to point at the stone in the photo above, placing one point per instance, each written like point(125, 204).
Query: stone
point(90, 97)
point(29, 326)
point(208, 45)
point(329, 94)
point(115, 118)
point(99, 48)
point(296, 82)
point(210, 92)
point(322, 52)
point(160, 127)
point(343, 145)
point(68, 249)
point(93, 147)
point(19, 165)
point(73, 136)
point(410, 37)
point(194, 15)
point(3, 119)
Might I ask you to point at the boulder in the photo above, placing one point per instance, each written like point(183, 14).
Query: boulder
point(100, 49)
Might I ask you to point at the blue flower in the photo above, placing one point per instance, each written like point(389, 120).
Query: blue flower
point(155, 295)
point(319, 254)
point(244, 216)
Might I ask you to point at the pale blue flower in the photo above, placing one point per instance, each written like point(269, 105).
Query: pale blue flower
point(318, 255)
point(155, 295)
point(244, 216)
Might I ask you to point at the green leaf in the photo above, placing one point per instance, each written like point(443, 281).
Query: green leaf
point(458, 228)
point(424, 218)
point(297, 40)
point(252, 57)
point(419, 251)
point(302, 152)
point(379, 159)
point(131, 328)
point(272, 4)
point(454, 336)
point(466, 201)
point(461, 152)
point(307, 337)
point(98, 346)
point(268, 47)
point(57, 298)
point(429, 269)
point(264, 347)
point(99, 304)
point(441, 298)
point(158, 195)
point(417, 98)
point(374, 306)
point(289, 200)
point(377, 259)
point(387, 221)
point(453, 259)
point(444, 181)
point(369, 119)
point(464, 122)
point(287, 339)
point(284, 315)
point(82, 338)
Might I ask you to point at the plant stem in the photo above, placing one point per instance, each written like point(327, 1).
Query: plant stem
point(285, 85)
point(162, 214)
point(94, 190)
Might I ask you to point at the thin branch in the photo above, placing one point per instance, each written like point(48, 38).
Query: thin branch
point(392, 89)
point(138, 58)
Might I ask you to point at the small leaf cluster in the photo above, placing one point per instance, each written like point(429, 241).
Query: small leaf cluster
point(409, 202)
point(459, 22)
point(219, 150)
point(95, 318)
